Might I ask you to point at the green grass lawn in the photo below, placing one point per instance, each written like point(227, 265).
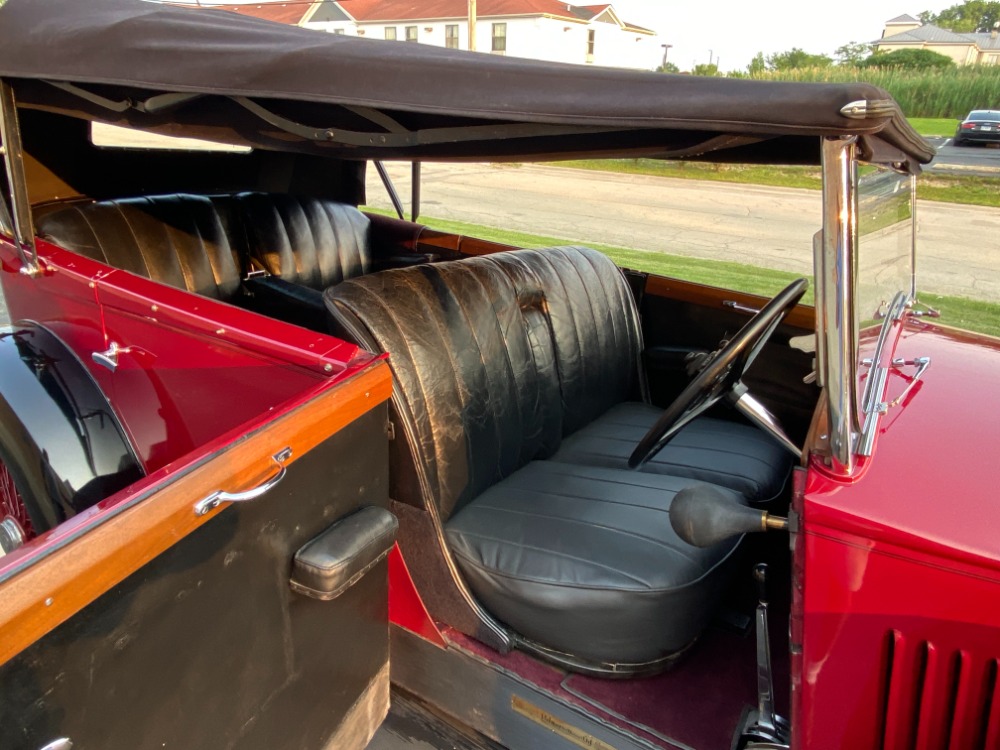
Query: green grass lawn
point(932, 126)
point(959, 312)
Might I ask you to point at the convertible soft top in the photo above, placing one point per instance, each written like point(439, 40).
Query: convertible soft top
point(228, 77)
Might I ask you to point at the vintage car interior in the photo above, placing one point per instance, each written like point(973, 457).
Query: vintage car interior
point(548, 473)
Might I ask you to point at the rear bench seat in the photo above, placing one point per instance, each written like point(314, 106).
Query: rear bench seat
point(499, 362)
point(209, 244)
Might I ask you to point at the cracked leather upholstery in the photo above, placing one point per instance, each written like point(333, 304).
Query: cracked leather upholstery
point(491, 367)
point(498, 362)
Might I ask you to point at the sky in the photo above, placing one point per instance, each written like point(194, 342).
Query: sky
point(731, 32)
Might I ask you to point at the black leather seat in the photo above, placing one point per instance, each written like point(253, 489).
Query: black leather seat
point(207, 244)
point(583, 559)
point(304, 244)
point(309, 242)
point(729, 454)
point(510, 370)
point(186, 241)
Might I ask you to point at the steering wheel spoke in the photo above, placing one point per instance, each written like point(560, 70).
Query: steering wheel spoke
point(721, 376)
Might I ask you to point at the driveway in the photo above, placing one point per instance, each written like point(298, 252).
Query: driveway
point(959, 246)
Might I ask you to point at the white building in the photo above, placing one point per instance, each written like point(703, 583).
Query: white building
point(537, 29)
point(906, 32)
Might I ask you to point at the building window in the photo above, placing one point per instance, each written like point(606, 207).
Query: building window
point(451, 36)
point(590, 45)
point(390, 33)
point(411, 33)
point(500, 37)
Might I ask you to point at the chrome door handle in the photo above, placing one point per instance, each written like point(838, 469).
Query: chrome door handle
point(221, 496)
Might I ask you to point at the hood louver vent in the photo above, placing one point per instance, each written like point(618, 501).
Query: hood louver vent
point(938, 699)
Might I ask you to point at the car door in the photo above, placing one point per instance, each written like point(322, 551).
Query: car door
point(169, 615)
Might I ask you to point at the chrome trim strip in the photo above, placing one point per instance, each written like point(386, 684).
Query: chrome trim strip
point(840, 328)
point(10, 134)
point(913, 237)
point(897, 308)
point(864, 109)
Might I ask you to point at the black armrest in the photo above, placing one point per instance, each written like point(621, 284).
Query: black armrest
point(404, 260)
point(292, 303)
point(337, 559)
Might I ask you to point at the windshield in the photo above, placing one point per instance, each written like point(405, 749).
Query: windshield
point(885, 242)
point(884, 270)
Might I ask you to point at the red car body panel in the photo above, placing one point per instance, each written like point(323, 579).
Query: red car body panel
point(901, 605)
point(173, 345)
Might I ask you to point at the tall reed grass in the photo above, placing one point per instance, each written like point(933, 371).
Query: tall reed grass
point(933, 93)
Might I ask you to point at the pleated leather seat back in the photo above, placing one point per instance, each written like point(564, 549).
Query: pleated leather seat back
point(307, 241)
point(205, 243)
point(495, 358)
point(186, 241)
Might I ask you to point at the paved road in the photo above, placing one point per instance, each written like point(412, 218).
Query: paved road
point(972, 160)
point(959, 245)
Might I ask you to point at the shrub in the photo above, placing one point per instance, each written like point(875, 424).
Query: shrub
point(911, 59)
point(941, 92)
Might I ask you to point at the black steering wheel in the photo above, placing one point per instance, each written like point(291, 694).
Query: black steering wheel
point(720, 375)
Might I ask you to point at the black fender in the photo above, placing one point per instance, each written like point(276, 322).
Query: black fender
point(62, 447)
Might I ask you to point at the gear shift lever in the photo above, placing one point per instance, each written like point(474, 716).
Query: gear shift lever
point(765, 724)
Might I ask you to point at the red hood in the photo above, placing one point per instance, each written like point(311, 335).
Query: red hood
point(932, 483)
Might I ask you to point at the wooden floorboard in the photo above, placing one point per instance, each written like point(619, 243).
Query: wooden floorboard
point(411, 725)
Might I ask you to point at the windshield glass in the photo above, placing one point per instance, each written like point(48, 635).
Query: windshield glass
point(885, 242)
point(884, 268)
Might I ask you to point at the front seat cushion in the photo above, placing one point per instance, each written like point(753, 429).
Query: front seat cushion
point(717, 451)
point(584, 560)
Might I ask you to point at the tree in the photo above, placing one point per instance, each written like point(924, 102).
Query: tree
point(912, 59)
point(706, 69)
point(966, 17)
point(796, 58)
point(668, 67)
point(853, 53)
point(757, 65)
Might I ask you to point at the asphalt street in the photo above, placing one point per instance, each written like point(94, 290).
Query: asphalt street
point(972, 160)
point(958, 246)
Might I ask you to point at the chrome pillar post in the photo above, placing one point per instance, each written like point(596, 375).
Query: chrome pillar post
point(836, 322)
point(10, 133)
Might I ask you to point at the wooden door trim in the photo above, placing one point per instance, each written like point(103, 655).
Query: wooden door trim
point(54, 588)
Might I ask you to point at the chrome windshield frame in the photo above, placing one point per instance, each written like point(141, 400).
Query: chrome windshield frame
point(836, 324)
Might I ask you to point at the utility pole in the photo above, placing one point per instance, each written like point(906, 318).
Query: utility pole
point(666, 49)
point(472, 25)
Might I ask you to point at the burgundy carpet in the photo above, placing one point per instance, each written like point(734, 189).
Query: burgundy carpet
point(695, 705)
